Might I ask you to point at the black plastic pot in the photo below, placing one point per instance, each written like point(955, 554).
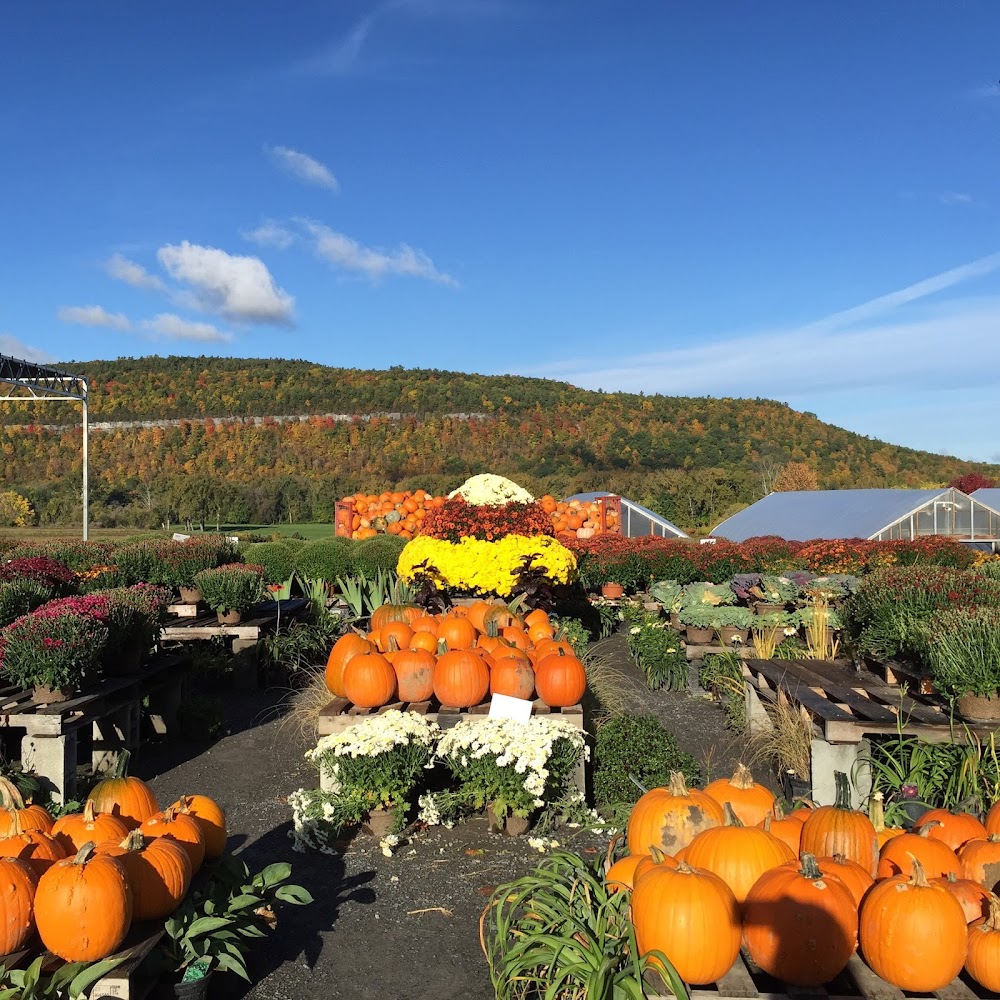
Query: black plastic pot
point(195, 990)
point(794, 787)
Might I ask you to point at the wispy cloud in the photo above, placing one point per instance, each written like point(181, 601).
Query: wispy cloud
point(304, 167)
point(93, 316)
point(957, 199)
point(15, 348)
point(172, 326)
point(347, 254)
point(123, 269)
point(985, 91)
point(239, 288)
point(270, 234)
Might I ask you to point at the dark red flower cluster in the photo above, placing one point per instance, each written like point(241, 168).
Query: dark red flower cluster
point(455, 519)
point(41, 569)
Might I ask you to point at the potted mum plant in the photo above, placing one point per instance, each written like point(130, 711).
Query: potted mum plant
point(53, 653)
point(231, 590)
point(135, 616)
point(964, 652)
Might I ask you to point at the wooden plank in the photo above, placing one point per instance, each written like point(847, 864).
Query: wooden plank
point(419, 707)
point(858, 703)
point(956, 990)
point(872, 987)
point(799, 692)
point(183, 610)
point(737, 982)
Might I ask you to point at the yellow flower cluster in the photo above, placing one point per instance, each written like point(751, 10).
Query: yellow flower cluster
point(485, 567)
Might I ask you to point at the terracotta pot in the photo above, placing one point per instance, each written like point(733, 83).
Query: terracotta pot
point(700, 636)
point(50, 696)
point(763, 608)
point(675, 622)
point(612, 591)
point(512, 826)
point(980, 708)
point(190, 595)
point(229, 617)
point(380, 822)
point(728, 634)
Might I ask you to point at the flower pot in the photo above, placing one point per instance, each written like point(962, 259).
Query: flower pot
point(730, 637)
point(980, 708)
point(512, 826)
point(793, 787)
point(675, 622)
point(612, 591)
point(763, 608)
point(43, 694)
point(380, 822)
point(229, 617)
point(700, 636)
point(127, 659)
point(197, 989)
point(190, 595)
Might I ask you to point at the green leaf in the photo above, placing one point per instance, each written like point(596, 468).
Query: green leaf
point(294, 894)
point(245, 901)
point(231, 963)
point(205, 925)
point(273, 874)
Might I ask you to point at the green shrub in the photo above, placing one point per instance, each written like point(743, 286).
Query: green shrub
point(326, 559)
point(233, 587)
point(277, 558)
point(292, 542)
point(379, 553)
point(659, 653)
point(640, 746)
point(964, 651)
point(18, 597)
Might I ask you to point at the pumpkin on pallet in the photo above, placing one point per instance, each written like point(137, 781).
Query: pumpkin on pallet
point(128, 798)
point(839, 829)
point(898, 856)
point(670, 818)
point(954, 828)
point(158, 872)
point(211, 817)
point(31, 817)
point(75, 829)
point(183, 829)
point(18, 881)
point(982, 960)
point(38, 849)
point(751, 802)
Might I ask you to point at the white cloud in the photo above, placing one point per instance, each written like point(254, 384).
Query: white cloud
point(93, 316)
point(304, 167)
point(171, 325)
point(956, 198)
point(15, 348)
point(239, 288)
point(348, 254)
point(271, 234)
point(126, 270)
point(985, 91)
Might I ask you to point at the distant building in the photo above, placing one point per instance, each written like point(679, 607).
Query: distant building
point(636, 520)
point(880, 515)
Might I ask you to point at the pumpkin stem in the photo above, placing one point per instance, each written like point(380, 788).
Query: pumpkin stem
point(393, 644)
point(10, 796)
point(656, 854)
point(742, 778)
point(919, 877)
point(810, 867)
point(876, 812)
point(843, 800)
point(84, 854)
point(731, 818)
point(89, 813)
point(924, 830)
point(442, 647)
point(767, 824)
point(778, 811)
point(840, 859)
point(993, 918)
point(951, 877)
point(491, 628)
point(121, 768)
point(684, 868)
point(135, 841)
point(677, 785)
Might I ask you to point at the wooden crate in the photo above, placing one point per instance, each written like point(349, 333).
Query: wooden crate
point(745, 981)
point(339, 714)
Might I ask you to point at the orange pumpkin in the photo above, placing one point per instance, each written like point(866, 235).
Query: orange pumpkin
point(426, 641)
point(477, 615)
point(787, 829)
point(349, 645)
point(179, 827)
point(388, 613)
point(689, 915)
point(838, 829)
point(129, 799)
point(751, 802)
point(211, 817)
point(992, 823)
point(32, 817)
point(426, 623)
point(512, 676)
point(981, 861)
point(649, 861)
point(620, 875)
point(560, 680)
point(414, 674)
point(39, 850)
point(158, 871)
point(800, 925)
point(854, 877)
point(369, 680)
point(876, 813)
point(74, 830)
point(17, 900)
point(913, 934)
point(83, 906)
point(670, 818)
point(738, 854)
point(955, 829)
point(973, 897)
point(982, 959)
point(461, 678)
point(398, 632)
point(457, 633)
point(899, 854)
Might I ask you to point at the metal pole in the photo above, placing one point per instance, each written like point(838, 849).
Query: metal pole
point(86, 466)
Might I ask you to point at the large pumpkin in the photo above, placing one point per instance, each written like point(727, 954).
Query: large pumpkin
point(786, 828)
point(647, 862)
point(560, 679)
point(74, 830)
point(185, 830)
point(982, 960)
point(211, 817)
point(838, 829)
point(981, 861)
point(369, 680)
point(738, 854)
point(349, 645)
point(457, 633)
point(388, 613)
point(689, 915)
point(800, 924)
point(39, 850)
point(955, 829)
point(854, 877)
point(158, 871)
point(898, 855)
point(912, 933)
point(670, 818)
point(83, 907)
point(17, 900)
point(414, 674)
point(128, 798)
point(751, 802)
point(973, 897)
point(31, 817)
point(512, 676)
point(461, 678)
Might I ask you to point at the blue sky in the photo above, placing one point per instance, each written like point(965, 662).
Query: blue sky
point(797, 201)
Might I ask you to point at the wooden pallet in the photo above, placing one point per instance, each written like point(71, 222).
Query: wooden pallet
point(857, 982)
point(263, 619)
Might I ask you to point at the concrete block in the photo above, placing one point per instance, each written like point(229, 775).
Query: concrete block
point(851, 758)
point(758, 721)
point(53, 759)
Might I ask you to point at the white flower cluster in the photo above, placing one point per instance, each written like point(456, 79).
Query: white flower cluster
point(311, 816)
point(525, 746)
point(491, 490)
point(389, 843)
point(542, 844)
point(430, 813)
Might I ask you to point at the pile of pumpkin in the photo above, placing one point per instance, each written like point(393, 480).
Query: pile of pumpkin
point(709, 871)
point(81, 880)
point(579, 518)
point(458, 657)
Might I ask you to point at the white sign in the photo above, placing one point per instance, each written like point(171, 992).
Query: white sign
point(178, 537)
point(502, 706)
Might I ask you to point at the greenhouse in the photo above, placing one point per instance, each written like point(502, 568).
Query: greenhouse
point(635, 519)
point(879, 515)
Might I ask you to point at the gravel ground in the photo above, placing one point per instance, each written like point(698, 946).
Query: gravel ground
point(364, 936)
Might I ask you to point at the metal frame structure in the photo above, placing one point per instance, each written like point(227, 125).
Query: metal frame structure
point(40, 384)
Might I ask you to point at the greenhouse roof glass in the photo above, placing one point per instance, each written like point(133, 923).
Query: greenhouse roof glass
point(990, 497)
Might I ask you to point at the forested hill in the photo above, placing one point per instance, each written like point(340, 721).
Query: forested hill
point(692, 459)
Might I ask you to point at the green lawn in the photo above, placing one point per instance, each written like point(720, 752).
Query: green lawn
point(309, 531)
point(51, 533)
